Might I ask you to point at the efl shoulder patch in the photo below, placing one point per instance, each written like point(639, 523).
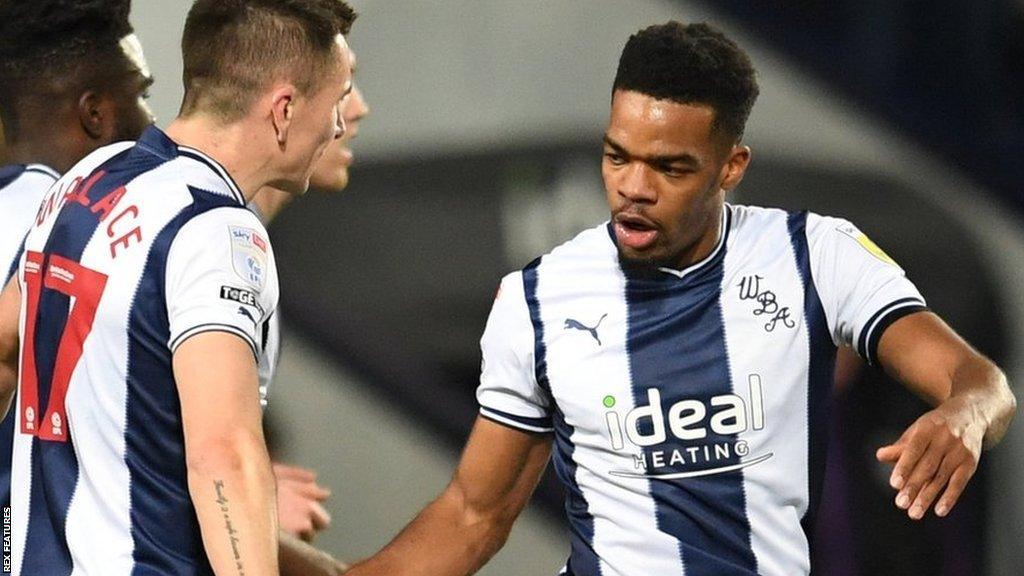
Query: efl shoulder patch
point(866, 243)
point(249, 255)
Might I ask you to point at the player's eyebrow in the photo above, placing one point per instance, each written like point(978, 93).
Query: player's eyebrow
point(661, 160)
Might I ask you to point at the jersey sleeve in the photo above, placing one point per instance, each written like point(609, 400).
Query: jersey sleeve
point(862, 289)
point(221, 276)
point(508, 392)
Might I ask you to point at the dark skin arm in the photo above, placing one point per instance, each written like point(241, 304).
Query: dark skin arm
point(470, 521)
point(938, 454)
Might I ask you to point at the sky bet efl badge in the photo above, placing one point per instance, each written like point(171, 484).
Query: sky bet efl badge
point(249, 255)
point(867, 244)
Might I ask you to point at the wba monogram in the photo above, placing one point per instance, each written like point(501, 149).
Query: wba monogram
point(750, 289)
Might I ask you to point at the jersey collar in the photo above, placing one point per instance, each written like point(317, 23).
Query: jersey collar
point(155, 141)
point(708, 262)
point(723, 234)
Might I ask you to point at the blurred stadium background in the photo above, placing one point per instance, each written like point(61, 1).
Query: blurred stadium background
point(482, 151)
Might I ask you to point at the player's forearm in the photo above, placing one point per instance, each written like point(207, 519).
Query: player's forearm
point(301, 559)
point(445, 539)
point(983, 386)
point(232, 488)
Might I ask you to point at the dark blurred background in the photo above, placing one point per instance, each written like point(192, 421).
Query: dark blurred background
point(482, 151)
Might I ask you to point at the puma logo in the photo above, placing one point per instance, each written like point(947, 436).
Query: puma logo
point(243, 312)
point(577, 325)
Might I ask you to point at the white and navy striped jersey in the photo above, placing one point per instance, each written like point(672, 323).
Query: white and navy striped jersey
point(21, 190)
point(139, 247)
point(688, 407)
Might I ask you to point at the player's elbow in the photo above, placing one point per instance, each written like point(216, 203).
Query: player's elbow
point(228, 453)
point(487, 525)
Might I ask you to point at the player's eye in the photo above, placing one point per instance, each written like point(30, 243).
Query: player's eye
point(614, 158)
point(673, 171)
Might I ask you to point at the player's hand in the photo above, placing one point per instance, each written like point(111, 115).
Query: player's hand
point(299, 498)
point(939, 451)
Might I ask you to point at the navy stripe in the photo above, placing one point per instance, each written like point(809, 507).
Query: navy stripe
point(164, 527)
point(532, 422)
point(10, 173)
point(820, 371)
point(582, 558)
point(879, 326)
point(676, 345)
point(216, 327)
point(862, 341)
point(54, 474)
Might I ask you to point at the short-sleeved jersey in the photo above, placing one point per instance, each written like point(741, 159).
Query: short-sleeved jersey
point(139, 247)
point(689, 407)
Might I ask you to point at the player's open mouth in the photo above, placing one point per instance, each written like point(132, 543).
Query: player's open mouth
point(635, 232)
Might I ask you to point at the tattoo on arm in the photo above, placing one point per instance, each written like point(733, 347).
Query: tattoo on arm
point(232, 533)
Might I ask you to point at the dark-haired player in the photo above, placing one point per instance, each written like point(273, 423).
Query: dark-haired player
point(146, 287)
point(677, 360)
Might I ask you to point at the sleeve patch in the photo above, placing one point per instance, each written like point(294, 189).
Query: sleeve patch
point(249, 256)
point(245, 297)
point(866, 243)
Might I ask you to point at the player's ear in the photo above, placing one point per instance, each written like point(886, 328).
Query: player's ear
point(735, 167)
point(282, 111)
point(96, 115)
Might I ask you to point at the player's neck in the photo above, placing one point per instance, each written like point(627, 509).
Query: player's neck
point(50, 152)
point(231, 146)
point(705, 245)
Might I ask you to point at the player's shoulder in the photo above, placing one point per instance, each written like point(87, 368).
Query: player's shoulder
point(22, 187)
point(224, 222)
point(591, 249)
point(754, 219)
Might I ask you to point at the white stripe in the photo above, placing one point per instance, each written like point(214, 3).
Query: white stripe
point(775, 364)
point(513, 423)
point(45, 169)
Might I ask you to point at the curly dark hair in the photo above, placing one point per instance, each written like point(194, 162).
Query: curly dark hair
point(691, 64)
point(52, 44)
point(233, 48)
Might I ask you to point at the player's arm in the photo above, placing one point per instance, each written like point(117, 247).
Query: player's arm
point(229, 476)
point(10, 312)
point(299, 558)
point(939, 453)
point(470, 521)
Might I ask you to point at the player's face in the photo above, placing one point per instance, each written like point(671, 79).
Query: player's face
point(132, 113)
point(665, 176)
point(331, 173)
point(317, 122)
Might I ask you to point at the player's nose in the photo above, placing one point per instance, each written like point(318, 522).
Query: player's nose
point(635, 184)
